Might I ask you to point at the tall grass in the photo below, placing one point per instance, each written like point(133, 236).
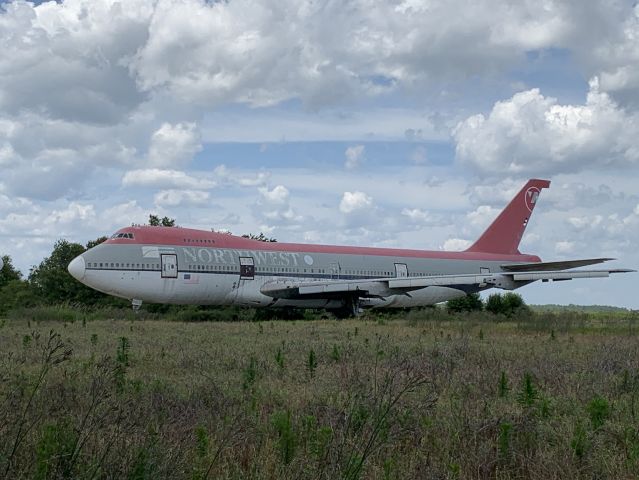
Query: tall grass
point(423, 396)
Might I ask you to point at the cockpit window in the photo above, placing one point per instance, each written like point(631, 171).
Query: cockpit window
point(122, 235)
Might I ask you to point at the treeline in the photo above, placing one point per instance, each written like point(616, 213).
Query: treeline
point(49, 283)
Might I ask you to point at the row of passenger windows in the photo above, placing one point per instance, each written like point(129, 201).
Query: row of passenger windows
point(201, 240)
point(231, 268)
point(292, 270)
point(142, 266)
point(122, 235)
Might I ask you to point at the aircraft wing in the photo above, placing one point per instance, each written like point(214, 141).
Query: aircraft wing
point(384, 287)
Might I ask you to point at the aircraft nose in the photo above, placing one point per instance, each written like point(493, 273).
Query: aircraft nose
point(77, 268)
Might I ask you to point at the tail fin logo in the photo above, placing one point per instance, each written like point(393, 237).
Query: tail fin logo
point(531, 197)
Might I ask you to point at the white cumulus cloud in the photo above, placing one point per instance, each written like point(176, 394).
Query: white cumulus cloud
point(354, 201)
point(174, 198)
point(533, 134)
point(354, 156)
point(455, 244)
point(278, 196)
point(174, 145)
point(158, 178)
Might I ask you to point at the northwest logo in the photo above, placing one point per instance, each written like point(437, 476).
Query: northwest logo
point(531, 198)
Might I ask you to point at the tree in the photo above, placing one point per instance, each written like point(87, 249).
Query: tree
point(260, 238)
point(8, 272)
point(96, 242)
point(156, 221)
point(17, 293)
point(469, 303)
point(52, 281)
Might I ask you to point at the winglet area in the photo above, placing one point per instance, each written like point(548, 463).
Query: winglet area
point(504, 234)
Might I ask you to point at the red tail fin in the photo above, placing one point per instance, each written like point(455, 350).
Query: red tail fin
point(504, 234)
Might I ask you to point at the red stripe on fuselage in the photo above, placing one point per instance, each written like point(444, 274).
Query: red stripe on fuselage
point(187, 237)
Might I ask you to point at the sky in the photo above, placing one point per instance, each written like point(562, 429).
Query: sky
point(404, 124)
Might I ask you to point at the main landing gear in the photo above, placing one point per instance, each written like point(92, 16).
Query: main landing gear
point(136, 304)
point(351, 308)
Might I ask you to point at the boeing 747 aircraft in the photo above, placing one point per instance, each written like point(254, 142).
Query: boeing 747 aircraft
point(186, 266)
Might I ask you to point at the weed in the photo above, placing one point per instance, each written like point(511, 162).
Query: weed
point(336, 354)
point(94, 339)
point(579, 442)
point(528, 393)
point(250, 373)
point(122, 356)
point(54, 451)
point(599, 411)
point(201, 441)
point(544, 407)
point(503, 441)
point(311, 362)
point(26, 340)
point(503, 385)
point(287, 441)
point(54, 352)
point(388, 467)
point(279, 358)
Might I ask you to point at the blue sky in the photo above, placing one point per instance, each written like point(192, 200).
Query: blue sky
point(405, 123)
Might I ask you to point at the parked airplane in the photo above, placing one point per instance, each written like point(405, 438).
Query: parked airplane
point(186, 266)
point(1, 263)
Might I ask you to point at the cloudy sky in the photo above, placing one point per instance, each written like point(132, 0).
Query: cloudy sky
point(389, 123)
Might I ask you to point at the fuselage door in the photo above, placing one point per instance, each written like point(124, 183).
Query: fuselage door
point(247, 268)
point(168, 263)
point(401, 270)
point(334, 271)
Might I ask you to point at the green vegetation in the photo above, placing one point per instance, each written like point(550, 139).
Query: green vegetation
point(415, 395)
point(468, 303)
point(479, 389)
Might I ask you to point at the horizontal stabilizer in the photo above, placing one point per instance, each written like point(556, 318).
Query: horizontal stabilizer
point(565, 275)
point(550, 266)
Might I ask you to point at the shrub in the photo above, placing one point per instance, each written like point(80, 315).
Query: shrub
point(507, 304)
point(469, 303)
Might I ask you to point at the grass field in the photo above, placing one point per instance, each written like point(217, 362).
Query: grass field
point(426, 395)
